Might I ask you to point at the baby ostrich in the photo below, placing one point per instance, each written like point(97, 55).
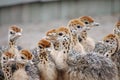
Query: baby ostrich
point(21, 62)
point(112, 43)
point(46, 64)
point(116, 29)
point(83, 66)
point(6, 62)
point(56, 47)
point(100, 47)
point(51, 36)
point(113, 50)
point(73, 26)
point(14, 34)
point(87, 42)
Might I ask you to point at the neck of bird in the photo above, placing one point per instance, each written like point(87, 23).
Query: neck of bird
point(117, 32)
point(112, 50)
point(74, 39)
point(43, 56)
point(7, 72)
point(12, 43)
point(20, 65)
point(56, 45)
point(13, 47)
point(82, 36)
point(65, 46)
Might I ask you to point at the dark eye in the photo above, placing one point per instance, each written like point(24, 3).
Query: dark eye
point(40, 47)
point(78, 26)
point(86, 22)
point(60, 34)
point(22, 57)
point(107, 41)
point(4, 58)
point(11, 32)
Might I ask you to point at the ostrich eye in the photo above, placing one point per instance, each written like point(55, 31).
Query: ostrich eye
point(40, 47)
point(107, 41)
point(78, 26)
point(60, 34)
point(4, 58)
point(11, 32)
point(86, 22)
point(22, 57)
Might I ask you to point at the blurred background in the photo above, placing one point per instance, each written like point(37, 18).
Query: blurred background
point(38, 16)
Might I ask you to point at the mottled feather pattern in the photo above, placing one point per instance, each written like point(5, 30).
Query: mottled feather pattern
point(15, 28)
point(87, 18)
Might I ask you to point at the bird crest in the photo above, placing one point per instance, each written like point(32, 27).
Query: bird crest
point(15, 28)
point(86, 18)
point(9, 55)
point(44, 43)
point(50, 32)
point(27, 54)
point(75, 23)
point(62, 29)
point(110, 36)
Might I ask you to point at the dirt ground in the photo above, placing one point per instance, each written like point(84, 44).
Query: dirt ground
point(33, 32)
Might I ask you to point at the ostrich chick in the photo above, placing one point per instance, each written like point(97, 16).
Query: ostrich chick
point(46, 64)
point(21, 62)
point(7, 59)
point(89, 66)
point(113, 50)
point(87, 42)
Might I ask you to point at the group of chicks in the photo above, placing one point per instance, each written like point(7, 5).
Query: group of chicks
point(65, 53)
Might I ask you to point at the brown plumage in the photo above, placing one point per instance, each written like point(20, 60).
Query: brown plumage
point(46, 65)
point(15, 28)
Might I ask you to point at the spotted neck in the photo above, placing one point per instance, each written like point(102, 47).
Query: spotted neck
point(56, 45)
point(65, 45)
point(12, 43)
point(6, 68)
point(74, 39)
point(13, 47)
point(43, 56)
point(20, 65)
point(82, 36)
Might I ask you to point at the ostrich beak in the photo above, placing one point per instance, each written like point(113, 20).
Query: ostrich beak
point(95, 24)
